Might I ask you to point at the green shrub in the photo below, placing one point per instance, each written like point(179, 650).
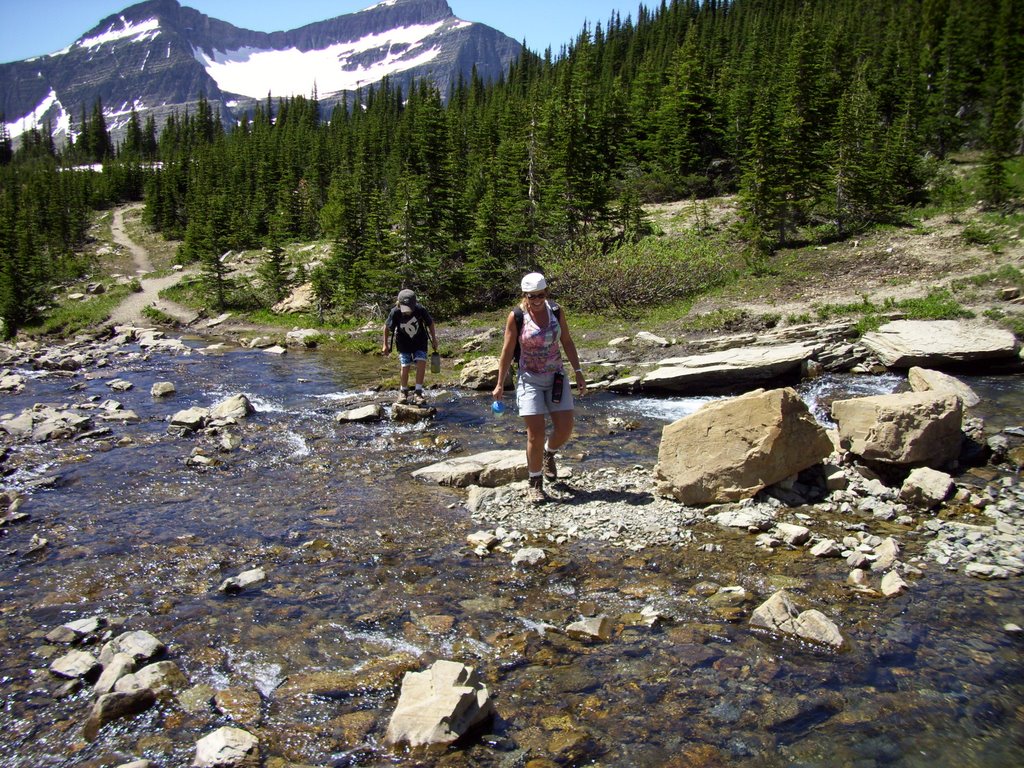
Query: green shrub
point(638, 276)
point(974, 234)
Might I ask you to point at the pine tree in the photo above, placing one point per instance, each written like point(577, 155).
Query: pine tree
point(1005, 134)
point(272, 273)
point(858, 189)
point(6, 146)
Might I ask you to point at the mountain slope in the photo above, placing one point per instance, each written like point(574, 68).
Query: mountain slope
point(159, 56)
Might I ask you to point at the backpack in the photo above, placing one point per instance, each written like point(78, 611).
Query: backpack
point(518, 312)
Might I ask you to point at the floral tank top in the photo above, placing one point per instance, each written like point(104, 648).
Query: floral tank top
point(539, 352)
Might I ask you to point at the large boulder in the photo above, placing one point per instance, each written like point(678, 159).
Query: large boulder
point(728, 368)
point(481, 374)
point(234, 407)
point(934, 343)
point(438, 706)
point(905, 429)
point(488, 469)
point(731, 449)
point(927, 380)
point(300, 300)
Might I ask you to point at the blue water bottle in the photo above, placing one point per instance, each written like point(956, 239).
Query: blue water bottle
point(498, 407)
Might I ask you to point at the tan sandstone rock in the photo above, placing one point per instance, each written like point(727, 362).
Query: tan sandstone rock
point(926, 380)
point(905, 343)
point(731, 449)
point(438, 706)
point(909, 428)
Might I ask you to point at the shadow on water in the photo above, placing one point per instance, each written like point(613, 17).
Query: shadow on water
point(369, 575)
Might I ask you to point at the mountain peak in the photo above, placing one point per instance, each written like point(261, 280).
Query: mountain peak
point(161, 56)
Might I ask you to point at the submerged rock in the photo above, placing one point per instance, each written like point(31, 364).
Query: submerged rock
point(780, 614)
point(590, 628)
point(227, 747)
point(235, 584)
point(115, 706)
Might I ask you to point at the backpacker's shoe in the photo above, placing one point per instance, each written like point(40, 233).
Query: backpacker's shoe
point(535, 491)
point(550, 468)
point(403, 397)
point(417, 398)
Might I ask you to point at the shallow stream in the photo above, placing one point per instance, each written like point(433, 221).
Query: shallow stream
point(369, 572)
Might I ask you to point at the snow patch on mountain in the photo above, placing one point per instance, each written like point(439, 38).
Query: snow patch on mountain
point(133, 31)
point(34, 119)
point(256, 72)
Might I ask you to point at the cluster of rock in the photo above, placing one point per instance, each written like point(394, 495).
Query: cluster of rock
point(129, 675)
point(95, 418)
point(43, 422)
point(373, 412)
point(90, 350)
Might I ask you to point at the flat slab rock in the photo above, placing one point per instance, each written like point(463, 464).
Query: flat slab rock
point(727, 367)
point(488, 469)
point(926, 343)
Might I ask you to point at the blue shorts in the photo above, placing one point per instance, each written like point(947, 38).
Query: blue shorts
point(408, 358)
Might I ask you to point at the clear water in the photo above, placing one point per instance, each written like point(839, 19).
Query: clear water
point(362, 561)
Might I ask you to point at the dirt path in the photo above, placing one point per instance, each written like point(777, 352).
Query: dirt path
point(130, 311)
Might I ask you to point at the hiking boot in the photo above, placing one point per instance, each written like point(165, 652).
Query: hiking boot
point(535, 491)
point(550, 468)
point(403, 397)
point(418, 398)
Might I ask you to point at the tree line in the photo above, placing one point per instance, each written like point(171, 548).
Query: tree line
point(824, 117)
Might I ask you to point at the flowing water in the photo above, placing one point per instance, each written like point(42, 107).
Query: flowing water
point(369, 573)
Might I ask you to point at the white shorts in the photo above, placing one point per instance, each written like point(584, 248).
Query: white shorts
point(533, 394)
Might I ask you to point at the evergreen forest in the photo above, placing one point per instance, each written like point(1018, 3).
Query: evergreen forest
point(823, 117)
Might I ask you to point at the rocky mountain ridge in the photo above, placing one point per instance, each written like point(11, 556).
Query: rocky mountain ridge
point(159, 57)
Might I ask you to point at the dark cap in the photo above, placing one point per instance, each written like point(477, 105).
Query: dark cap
point(407, 297)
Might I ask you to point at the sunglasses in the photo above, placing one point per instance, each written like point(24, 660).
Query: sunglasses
point(534, 295)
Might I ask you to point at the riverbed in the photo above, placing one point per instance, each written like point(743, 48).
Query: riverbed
point(369, 573)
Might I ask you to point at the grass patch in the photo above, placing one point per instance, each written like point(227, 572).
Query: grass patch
point(1006, 276)
point(939, 304)
point(718, 320)
point(158, 316)
point(75, 316)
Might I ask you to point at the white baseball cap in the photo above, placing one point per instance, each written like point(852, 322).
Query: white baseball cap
point(534, 282)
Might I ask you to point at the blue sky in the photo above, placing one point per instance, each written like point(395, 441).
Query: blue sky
point(31, 29)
